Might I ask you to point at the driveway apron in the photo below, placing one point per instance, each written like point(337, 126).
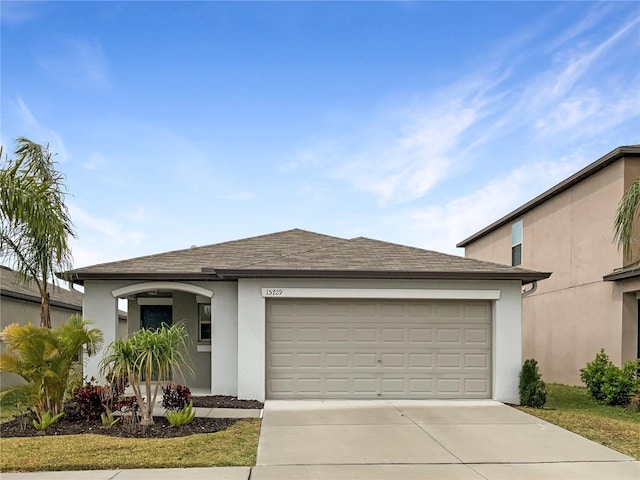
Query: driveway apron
point(474, 439)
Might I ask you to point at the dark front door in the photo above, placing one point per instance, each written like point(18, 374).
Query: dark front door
point(153, 316)
point(638, 331)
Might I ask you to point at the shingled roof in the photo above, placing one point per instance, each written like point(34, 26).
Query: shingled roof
point(302, 254)
point(11, 285)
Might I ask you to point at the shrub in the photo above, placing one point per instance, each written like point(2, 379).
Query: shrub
point(593, 375)
point(620, 384)
point(175, 397)
point(45, 358)
point(144, 355)
point(108, 420)
point(533, 392)
point(44, 420)
point(90, 401)
point(184, 416)
point(610, 384)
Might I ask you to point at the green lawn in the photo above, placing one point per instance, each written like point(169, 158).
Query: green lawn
point(8, 406)
point(573, 409)
point(238, 445)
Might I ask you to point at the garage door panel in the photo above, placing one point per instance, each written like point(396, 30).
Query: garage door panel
point(337, 335)
point(448, 336)
point(476, 361)
point(378, 349)
point(477, 336)
point(421, 336)
point(365, 335)
point(395, 335)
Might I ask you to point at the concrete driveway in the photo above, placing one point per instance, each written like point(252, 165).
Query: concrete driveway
point(406, 439)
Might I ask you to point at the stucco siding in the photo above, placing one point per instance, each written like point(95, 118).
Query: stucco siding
point(224, 338)
point(565, 329)
point(594, 204)
point(483, 249)
point(185, 310)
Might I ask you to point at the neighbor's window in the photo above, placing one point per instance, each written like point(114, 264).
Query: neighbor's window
point(204, 322)
point(516, 243)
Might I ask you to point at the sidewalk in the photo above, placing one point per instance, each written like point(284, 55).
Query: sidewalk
point(213, 473)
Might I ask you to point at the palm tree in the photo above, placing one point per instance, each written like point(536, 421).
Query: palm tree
point(45, 358)
point(627, 213)
point(145, 355)
point(35, 226)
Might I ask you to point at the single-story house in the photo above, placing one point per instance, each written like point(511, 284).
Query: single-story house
point(20, 303)
point(298, 314)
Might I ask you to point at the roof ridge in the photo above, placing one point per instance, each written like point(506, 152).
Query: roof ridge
point(195, 248)
point(341, 240)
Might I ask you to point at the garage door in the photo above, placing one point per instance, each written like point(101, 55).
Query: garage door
point(378, 349)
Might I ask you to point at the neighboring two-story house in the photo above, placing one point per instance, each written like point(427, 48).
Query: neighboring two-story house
point(591, 300)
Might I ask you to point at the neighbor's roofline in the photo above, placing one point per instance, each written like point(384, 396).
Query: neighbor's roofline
point(605, 161)
point(34, 299)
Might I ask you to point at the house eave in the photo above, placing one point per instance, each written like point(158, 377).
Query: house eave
point(525, 277)
point(626, 275)
point(80, 278)
point(601, 163)
point(216, 274)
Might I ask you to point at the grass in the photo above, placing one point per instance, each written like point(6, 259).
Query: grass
point(8, 405)
point(573, 409)
point(235, 446)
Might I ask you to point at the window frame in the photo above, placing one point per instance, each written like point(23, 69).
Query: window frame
point(202, 320)
point(516, 244)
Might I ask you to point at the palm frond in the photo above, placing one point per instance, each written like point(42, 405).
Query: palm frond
point(626, 215)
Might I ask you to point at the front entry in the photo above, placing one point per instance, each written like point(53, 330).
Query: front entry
point(153, 316)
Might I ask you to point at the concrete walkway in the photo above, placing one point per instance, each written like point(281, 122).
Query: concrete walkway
point(410, 440)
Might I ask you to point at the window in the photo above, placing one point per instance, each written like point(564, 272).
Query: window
point(154, 316)
point(516, 243)
point(204, 322)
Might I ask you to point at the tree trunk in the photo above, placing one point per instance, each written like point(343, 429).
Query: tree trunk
point(45, 311)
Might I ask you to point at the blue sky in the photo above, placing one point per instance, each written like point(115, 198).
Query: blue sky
point(182, 124)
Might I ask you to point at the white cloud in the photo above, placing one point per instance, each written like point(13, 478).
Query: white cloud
point(114, 232)
point(76, 62)
point(442, 226)
point(34, 130)
point(237, 196)
point(15, 13)
point(577, 95)
point(102, 239)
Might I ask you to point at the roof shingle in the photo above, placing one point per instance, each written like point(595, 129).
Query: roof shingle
point(301, 253)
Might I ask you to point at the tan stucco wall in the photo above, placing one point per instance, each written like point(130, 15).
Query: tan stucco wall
point(574, 313)
point(19, 311)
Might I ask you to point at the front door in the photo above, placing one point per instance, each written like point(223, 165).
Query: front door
point(153, 316)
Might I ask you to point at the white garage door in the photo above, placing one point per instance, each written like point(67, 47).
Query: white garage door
point(378, 349)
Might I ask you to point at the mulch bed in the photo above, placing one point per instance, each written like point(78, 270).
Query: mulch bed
point(22, 427)
point(160, 429)
point(222, 401)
